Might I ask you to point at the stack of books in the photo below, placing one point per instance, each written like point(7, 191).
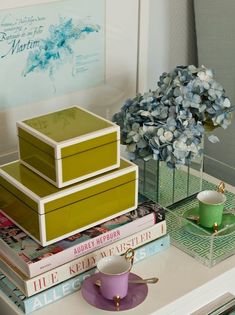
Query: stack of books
point(69, 201)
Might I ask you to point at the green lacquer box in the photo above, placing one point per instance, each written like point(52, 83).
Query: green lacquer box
point(50, 214)
point(69, 145)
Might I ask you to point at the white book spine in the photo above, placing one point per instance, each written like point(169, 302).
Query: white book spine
point(50, 262)
point(90, 245)
point(57, 292)
point(77, 266)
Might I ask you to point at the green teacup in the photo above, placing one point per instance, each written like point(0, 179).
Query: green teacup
point(211, 205)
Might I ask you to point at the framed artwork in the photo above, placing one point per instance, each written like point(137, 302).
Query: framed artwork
point(59, 53)
point(59, 44)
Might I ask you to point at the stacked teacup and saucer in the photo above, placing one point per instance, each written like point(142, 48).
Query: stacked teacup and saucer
point(210, 214)
point(114, 287)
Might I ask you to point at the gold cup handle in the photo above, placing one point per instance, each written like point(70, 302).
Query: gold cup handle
point(129, 255)
point(221, 187)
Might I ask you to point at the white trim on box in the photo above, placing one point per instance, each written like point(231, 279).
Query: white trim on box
point(68, 107)
point(59, 177)
point(42, 229)
point(88, 136)
point(37, 134)
point(130, 162)
point(9, 163)
point(48, 113)
point(54, 143)
point(17, 184)
point(38, 173)
point(118, 148)
point(41, 201)
point(22, 228)
point(42, 224)
point(137, 186)
point(87, 226)
point(18, 149)
point(136, 193)
point(58, 162)
point(41, 209)
point(90, 183)
point(81, 178)
point(59, 183)
point(93, 114)
point(69, 190)
point(57, 153)
point(58, 146)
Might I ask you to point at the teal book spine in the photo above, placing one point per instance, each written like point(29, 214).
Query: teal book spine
point(31, 304)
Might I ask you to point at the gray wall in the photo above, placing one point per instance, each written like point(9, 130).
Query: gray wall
point(172, 41)
point(215, 28)
point(172, 38)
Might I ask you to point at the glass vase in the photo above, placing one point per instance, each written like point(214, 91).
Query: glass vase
point(168, 186)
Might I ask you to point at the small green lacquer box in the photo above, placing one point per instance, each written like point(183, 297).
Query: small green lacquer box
point(69, 145)
point(50, 214)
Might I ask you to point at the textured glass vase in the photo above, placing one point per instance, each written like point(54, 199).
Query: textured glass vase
point(167, 186)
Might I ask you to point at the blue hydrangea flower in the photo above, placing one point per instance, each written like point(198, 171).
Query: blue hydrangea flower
point(169, 123)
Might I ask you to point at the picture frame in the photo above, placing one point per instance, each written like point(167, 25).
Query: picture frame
point(121, 68)
point(47, 42)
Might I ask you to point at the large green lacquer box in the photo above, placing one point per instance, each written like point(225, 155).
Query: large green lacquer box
point(69, 145)
point(50, 214)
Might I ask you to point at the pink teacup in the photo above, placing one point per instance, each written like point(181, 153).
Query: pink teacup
point(114, 274)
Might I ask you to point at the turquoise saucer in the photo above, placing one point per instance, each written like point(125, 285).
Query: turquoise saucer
point(227, 226)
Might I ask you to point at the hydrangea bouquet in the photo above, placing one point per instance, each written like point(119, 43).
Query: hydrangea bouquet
point(168, 124)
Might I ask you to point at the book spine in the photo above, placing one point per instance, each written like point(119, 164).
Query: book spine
point(81, 264)
point(90, 245)
point(8, 289)
point(31, 304)
point(12, 256)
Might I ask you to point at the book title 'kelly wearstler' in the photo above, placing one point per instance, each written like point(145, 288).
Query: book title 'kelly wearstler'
point(32, 259)
point(57, 292)
point(81, 264)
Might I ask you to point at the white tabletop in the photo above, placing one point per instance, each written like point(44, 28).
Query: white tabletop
point(184, 286)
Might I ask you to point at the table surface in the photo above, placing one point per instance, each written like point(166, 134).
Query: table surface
point(184, 286)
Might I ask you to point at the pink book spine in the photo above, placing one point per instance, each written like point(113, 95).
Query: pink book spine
point(90, 245)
